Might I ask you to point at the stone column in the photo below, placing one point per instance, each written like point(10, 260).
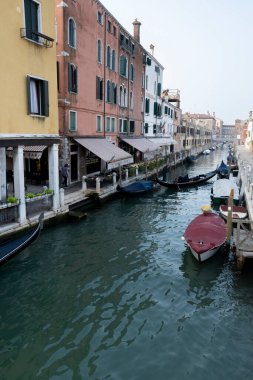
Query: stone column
point(114, 179)
point(3, 192)
point(98, 185)
point(53, 172)
point(19, 181)
point(84, 184)
point(126, 171)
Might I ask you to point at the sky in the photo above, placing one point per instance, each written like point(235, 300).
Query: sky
point(205, 46)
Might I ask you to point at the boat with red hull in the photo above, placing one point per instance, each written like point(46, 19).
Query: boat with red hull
point(205, 235)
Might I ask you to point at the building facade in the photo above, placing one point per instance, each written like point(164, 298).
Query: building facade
point(29, 113)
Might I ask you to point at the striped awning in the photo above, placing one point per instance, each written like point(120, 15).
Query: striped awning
point(108, 152)
point(32, 151)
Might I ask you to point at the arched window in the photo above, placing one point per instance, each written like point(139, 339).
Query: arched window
point(108, 91)
point(108, 57)
point(99, 51)
point(72, 33)
point(125, 98)
point(132, 72)
point(113, 67)
point(121, 96)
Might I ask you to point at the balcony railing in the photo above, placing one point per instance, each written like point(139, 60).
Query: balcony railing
point(37, 37)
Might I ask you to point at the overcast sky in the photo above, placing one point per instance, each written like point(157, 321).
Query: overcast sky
point(206, 47)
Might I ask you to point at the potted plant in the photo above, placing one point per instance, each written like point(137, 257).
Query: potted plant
point(12, 201)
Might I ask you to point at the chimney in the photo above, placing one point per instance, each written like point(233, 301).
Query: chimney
point(137, 26)
point(152, 49)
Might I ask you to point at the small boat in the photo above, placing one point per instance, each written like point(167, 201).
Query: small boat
point(223, 170)
point(183, 181)
point(238, 212)
point(205, 234)
point(138, 187)
point(10, 248)
point(221, 190)
point(191, 159)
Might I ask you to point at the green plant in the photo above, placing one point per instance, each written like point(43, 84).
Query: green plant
point(48, 191)
point(12, 200)
point(30, 195)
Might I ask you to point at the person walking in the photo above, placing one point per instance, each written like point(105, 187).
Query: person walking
point(65, 175)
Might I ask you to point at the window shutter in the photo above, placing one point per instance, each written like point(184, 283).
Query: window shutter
point(45, 98)
point(115, 94)
point(101, 89)
point(147, 105)
point(28, 95)
point(69, 77)
point(155, 108)
point(159, 89)
point(76, 80)
point(97, 87)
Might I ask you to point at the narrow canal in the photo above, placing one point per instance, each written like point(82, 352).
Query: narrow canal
point(118, 296)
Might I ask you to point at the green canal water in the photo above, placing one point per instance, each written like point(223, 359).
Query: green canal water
point(118, 296)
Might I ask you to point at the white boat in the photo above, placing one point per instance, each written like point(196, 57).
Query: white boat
point(207, 151)
point(221, 189)
point(238, 212)
point(205, 234)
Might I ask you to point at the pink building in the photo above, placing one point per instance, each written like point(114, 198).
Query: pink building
point(100, 87)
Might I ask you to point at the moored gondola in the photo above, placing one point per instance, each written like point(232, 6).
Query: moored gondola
point(12, 247)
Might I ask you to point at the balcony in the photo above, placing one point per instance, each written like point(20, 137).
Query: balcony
point(36, 37)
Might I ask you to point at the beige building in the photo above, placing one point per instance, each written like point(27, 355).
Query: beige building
point(29, 111)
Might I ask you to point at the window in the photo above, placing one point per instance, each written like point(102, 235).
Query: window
point(110, 124)
point(38, 98)
point(154, 129)
point(121, 96)
point(143, 80)
point(131, 100)
point(99, 123)
point(32, 19)
point(122, 125)
point(113, 65)
point(99, 51)
point(99, 88)
point(159, 89)
point(108, 57)
point(147, 105)
point(123, 66)
point(72, 72)
point(114, 31)
point(100, 17)
point(72, 33)
point(109, 26)
point(132, 72)
point(146, 128)
point(108, 91)
point(72, 121)
point(115, 94)
point(131, 126)
point(125, 98)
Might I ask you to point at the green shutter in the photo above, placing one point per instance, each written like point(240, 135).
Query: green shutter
point(155, 108)
point(44, 98)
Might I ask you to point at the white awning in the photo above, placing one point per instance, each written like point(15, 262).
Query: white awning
point(108, 152)
point(142, 144)
point(163, 141)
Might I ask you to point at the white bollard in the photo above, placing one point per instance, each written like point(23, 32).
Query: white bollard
point(126, 171)
point(114, 179)
point(62, 197)
point(98, 185)
point(84, 184)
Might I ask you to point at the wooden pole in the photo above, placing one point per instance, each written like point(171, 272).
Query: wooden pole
point(230, 213)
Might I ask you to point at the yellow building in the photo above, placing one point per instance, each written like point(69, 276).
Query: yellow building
point(29, 108)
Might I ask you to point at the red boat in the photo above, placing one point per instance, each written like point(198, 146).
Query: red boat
point(205, 234)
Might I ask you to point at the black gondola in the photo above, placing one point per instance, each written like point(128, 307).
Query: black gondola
point(187, 181)
point(222, 170)
point(12, 247)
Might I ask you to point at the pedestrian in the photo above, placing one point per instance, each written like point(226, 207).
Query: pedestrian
point(65, 174)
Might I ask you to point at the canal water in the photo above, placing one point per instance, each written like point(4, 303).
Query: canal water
point(118, 296)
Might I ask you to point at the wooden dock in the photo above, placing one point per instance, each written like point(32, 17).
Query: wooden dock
point(243, 240)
